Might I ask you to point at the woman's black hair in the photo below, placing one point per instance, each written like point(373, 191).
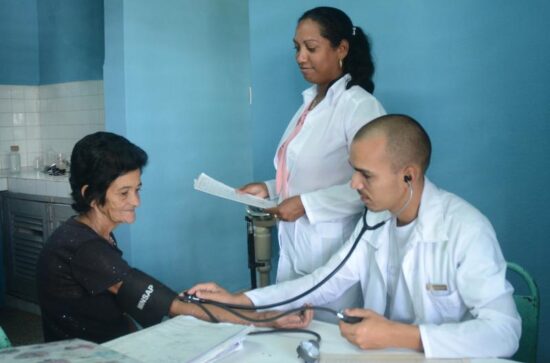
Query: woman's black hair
point(96, 161)
point(336, 26)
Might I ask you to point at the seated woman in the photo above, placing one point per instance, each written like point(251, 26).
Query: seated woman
point(86, 289)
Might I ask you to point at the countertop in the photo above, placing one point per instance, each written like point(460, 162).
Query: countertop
point(31, 181)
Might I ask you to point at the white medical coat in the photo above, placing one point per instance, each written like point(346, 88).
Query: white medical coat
point(317, 159)
point(452, 244)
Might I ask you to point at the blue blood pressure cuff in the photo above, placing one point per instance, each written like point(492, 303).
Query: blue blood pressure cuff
point(144, 298)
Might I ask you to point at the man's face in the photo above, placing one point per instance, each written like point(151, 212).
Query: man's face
point(378, 184)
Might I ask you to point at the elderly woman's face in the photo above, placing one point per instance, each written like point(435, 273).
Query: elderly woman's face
point(122, 198)
point(317, 59)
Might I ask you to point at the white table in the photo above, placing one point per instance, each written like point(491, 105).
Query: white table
point(281, 347)
point(334, 348)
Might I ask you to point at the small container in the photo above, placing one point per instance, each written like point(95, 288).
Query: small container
point(15, 159)
point(38, 163)
point(61, 163)
point(50, 157)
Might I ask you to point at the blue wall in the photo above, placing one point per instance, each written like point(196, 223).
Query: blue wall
point(51, 41)
point(176, 84)
point(71, 40)
point(18, 42)
point(475, 73)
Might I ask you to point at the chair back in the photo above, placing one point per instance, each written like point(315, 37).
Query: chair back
point(528, 308)
point(4, 341)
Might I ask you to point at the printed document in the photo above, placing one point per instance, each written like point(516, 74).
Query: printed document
point(182, 339)
point(209, 185)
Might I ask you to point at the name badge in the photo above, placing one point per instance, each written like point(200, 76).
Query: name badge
point(436, 287)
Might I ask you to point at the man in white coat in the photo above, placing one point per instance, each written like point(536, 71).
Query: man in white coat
point(432, 274)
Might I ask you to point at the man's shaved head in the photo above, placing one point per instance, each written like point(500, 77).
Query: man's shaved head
point(406, 140)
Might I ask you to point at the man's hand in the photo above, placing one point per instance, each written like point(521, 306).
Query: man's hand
point(377, 332)
point(289, 210)
point(293, 321)
point(212, 291)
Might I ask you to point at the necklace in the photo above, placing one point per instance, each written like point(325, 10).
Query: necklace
point(316, 101)
point(88, 222)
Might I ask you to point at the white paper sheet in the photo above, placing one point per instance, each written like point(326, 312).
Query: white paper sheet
point(182, 339)
point(209, 185)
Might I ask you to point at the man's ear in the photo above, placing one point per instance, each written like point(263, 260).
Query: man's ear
point(411, 172)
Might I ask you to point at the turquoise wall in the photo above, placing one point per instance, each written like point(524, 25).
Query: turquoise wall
point(176, 83)
point(475, 73)
point(18, 42)
point(71, 40)
point(51, 41)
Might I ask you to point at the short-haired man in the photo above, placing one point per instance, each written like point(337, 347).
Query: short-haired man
point(432, 275)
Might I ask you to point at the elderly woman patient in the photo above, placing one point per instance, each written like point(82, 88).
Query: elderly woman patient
point(86, 289)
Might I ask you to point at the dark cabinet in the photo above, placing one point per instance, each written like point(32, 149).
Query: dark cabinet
point(27, 222)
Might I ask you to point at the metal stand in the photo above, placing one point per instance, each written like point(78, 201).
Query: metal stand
point(258, 227)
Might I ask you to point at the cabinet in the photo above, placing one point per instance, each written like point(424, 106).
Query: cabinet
point(27, 222)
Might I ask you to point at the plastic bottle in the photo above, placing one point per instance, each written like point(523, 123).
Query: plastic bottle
point(50, 157)
point(15, 159)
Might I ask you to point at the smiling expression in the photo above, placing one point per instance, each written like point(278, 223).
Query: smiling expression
point(122, 199)
point(317, 58)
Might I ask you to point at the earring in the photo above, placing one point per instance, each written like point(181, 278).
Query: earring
point(340, 63)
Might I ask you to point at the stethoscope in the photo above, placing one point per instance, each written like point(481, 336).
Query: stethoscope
point(308, 350)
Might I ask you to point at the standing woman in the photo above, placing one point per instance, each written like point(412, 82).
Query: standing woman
point(317, 208)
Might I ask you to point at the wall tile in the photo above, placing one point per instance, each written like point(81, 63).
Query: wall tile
point(49, 116)
point(5, 92)
point(5, 105)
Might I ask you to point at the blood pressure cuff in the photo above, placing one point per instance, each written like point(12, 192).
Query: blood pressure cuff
point(144, 298)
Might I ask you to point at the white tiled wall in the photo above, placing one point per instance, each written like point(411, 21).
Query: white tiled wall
point(48, 117)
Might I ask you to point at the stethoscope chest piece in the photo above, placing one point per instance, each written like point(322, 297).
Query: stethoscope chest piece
point(309, 351)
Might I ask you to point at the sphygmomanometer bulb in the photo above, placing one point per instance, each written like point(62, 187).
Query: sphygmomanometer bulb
point(348, 319)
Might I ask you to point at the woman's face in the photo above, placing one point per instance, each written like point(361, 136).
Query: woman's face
point(122, 199)
point(317, 59)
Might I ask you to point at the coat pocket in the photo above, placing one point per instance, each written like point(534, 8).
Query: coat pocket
point(448, 305)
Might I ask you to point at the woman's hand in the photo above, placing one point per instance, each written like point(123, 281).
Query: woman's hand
point(257, 189)
point(289, 210)
point(212, 291)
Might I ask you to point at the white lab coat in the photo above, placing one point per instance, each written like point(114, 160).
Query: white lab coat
point(452, 244)
point(317, 159)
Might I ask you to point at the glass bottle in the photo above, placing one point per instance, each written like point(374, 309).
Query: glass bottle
point(15, 159)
